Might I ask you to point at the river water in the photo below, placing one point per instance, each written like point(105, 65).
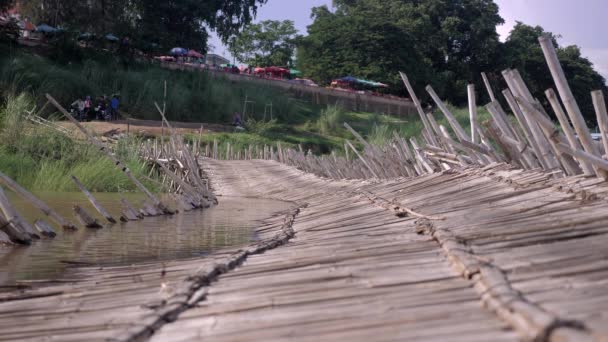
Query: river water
point(188, 234)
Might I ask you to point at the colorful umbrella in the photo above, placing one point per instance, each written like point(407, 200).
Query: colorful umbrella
point(178, 51)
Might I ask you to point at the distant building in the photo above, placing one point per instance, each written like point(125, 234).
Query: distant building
point(213, 59)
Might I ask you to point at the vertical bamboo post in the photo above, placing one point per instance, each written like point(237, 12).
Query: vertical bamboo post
point(576, 116)
point(93, 201)
point(602, 117)
point(473, 111)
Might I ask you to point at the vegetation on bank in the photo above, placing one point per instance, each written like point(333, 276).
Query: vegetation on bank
point(42, 159)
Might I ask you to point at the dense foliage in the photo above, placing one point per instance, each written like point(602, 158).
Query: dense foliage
point(446, 43)
point(268, 43)
point(149, 23)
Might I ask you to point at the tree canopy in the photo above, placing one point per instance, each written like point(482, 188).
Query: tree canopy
point(446, 41)
point(164, 23)
point(268, 43)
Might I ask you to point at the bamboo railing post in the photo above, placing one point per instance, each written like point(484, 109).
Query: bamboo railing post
point(417, 104)
point(602, 117)
point(572, 108)
point(114, 159)
point(93, 201)
point(473, 111)
point(35, 201)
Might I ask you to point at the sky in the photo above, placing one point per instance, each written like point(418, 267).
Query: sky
point(578, 22)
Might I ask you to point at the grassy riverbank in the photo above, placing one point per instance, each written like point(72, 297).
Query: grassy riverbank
point(42, 159)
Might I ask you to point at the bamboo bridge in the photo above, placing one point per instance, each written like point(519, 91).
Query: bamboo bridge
point(500, 235)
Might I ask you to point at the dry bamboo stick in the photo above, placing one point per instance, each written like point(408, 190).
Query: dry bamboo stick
point(458, 130)
point(602, 117)
point(417, 104)
point(568, 100)
point(580, 154)
point(36, 202)
point(362, 159)
point(529, 137)
point(93, 201)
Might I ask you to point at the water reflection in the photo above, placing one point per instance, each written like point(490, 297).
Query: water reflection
point(188, 234)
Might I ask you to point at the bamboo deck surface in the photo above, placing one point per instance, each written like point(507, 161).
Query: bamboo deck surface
point(475, 255)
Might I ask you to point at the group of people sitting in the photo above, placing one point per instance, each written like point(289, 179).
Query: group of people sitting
point(103, 108)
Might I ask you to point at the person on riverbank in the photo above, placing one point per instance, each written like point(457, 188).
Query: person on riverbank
point(88, 104)
point(78, 107)
point(114, 105)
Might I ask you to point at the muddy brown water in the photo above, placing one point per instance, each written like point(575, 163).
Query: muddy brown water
point(188, 234)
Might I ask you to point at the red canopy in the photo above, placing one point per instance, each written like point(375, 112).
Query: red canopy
point(277, 70)
point(195, 54)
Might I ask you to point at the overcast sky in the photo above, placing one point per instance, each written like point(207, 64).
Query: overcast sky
point(578, 22)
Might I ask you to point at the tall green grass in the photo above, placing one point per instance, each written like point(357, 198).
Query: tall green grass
point(42, 159)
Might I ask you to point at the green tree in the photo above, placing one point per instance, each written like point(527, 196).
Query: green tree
point(166, 23)
point(522, 51)
point(268, 43)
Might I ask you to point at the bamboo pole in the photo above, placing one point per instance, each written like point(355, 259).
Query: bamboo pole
point(417, 104)
point(36, 202)
point(458, 130)
point(13, 224)
point(362, 159)
point(572, 108)
point(44, 229)
point(602, 117)
point(85, 218)
point(473, 111)
point(534, 157)
point(567, 128)
point(112, 157)
point(588, 157)
point(488, 86)
point(93, 201)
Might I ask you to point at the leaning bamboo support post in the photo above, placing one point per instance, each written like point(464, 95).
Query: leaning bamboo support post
point(568, 100)
point(93, 201)
point(529, 137)
point(602, 117)
point(567, 128)
point(458, 130)
point(473, 110)
point(11, 214)
point(44, 229)
point(85, 218)
point(362, 159)
point(553, 137)
point(438, 132)
point(417, 104)
point(128, 212)
point(486, 82)
point(15, 226)
point(187, 188)
point(115, 160)
point(36, 202)
point(509, 146)
point(545, 157)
